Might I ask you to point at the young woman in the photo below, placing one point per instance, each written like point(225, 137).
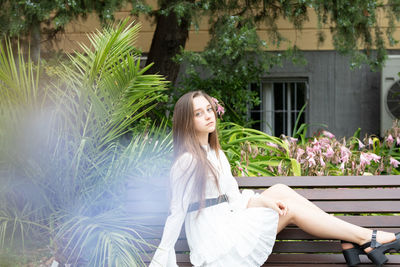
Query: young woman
point(225, 227)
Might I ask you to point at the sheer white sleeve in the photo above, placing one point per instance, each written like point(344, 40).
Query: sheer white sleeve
point(181, 182)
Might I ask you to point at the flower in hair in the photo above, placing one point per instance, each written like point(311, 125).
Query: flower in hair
point(220, 109)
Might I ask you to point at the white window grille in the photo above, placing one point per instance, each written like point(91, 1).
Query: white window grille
point(281, 102)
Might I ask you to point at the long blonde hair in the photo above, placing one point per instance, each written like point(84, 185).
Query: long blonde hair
point(185, 139)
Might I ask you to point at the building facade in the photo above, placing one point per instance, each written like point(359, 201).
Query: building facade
point(334, 96)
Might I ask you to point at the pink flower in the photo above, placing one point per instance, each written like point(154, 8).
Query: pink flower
point(310, 151)
point(220, 109)
point(364, 159)
point(329, 152)
point(300, 152)
point(370, 142)
point(316, 146)
point(360, 144)
point(324, 142)
point(342, 166)
point(374, 157)
point(389, 140)
point(321, 160)
point(272, 145)
point(311, 162)
point(345, 154)
point(397, 140)
point(395, 163)
point(241, 170)
point(328, 134)
point(280, 168)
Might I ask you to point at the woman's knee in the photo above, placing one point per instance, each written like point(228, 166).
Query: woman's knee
point(281, 191)
point(281, 188)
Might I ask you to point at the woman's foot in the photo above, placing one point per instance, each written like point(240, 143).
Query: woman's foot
point(351, 251)
point(380, 244)
point(381, 238)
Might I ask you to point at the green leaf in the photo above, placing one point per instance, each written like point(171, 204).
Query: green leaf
point(296, 169)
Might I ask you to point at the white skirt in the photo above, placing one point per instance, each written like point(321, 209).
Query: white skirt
point(222, 236)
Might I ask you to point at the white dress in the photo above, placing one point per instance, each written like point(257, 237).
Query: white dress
point(227, 234)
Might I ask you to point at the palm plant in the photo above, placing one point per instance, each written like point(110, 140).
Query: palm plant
point(68, 180)
point(20, 97)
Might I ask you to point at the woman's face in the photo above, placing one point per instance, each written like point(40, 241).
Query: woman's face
point(204, 117)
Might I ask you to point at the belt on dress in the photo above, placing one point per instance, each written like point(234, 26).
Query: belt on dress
point(208, 202)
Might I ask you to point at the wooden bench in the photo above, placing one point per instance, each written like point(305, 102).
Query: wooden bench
point(369, 201)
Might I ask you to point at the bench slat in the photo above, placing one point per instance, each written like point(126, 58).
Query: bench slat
point(373, 221)
point(307, 247)
point(298, 234)
point(350, 194)
point(320, 181)
point(296, 259)
point(289, 233)
point(321, 259)
point(331, 246)
point(311, 194)
point(329, 206)
point(160, 193)
point(359, 206)
point(155, 225)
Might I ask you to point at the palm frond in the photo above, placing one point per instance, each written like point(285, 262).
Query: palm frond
point(104, 240)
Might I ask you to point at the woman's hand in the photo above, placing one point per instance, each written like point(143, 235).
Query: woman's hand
point(261, 201)
point(280, 206)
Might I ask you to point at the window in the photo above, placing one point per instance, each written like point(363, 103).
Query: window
point(281, 102)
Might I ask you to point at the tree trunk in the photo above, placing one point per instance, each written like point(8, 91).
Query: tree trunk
point(168, 37)
point(35, 35)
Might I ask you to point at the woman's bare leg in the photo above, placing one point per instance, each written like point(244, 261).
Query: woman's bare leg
point(312, 219)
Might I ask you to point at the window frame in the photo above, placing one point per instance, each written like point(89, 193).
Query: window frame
point(267, 107)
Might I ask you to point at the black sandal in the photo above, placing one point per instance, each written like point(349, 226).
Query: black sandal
point(352, 255)
point(377, 255)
